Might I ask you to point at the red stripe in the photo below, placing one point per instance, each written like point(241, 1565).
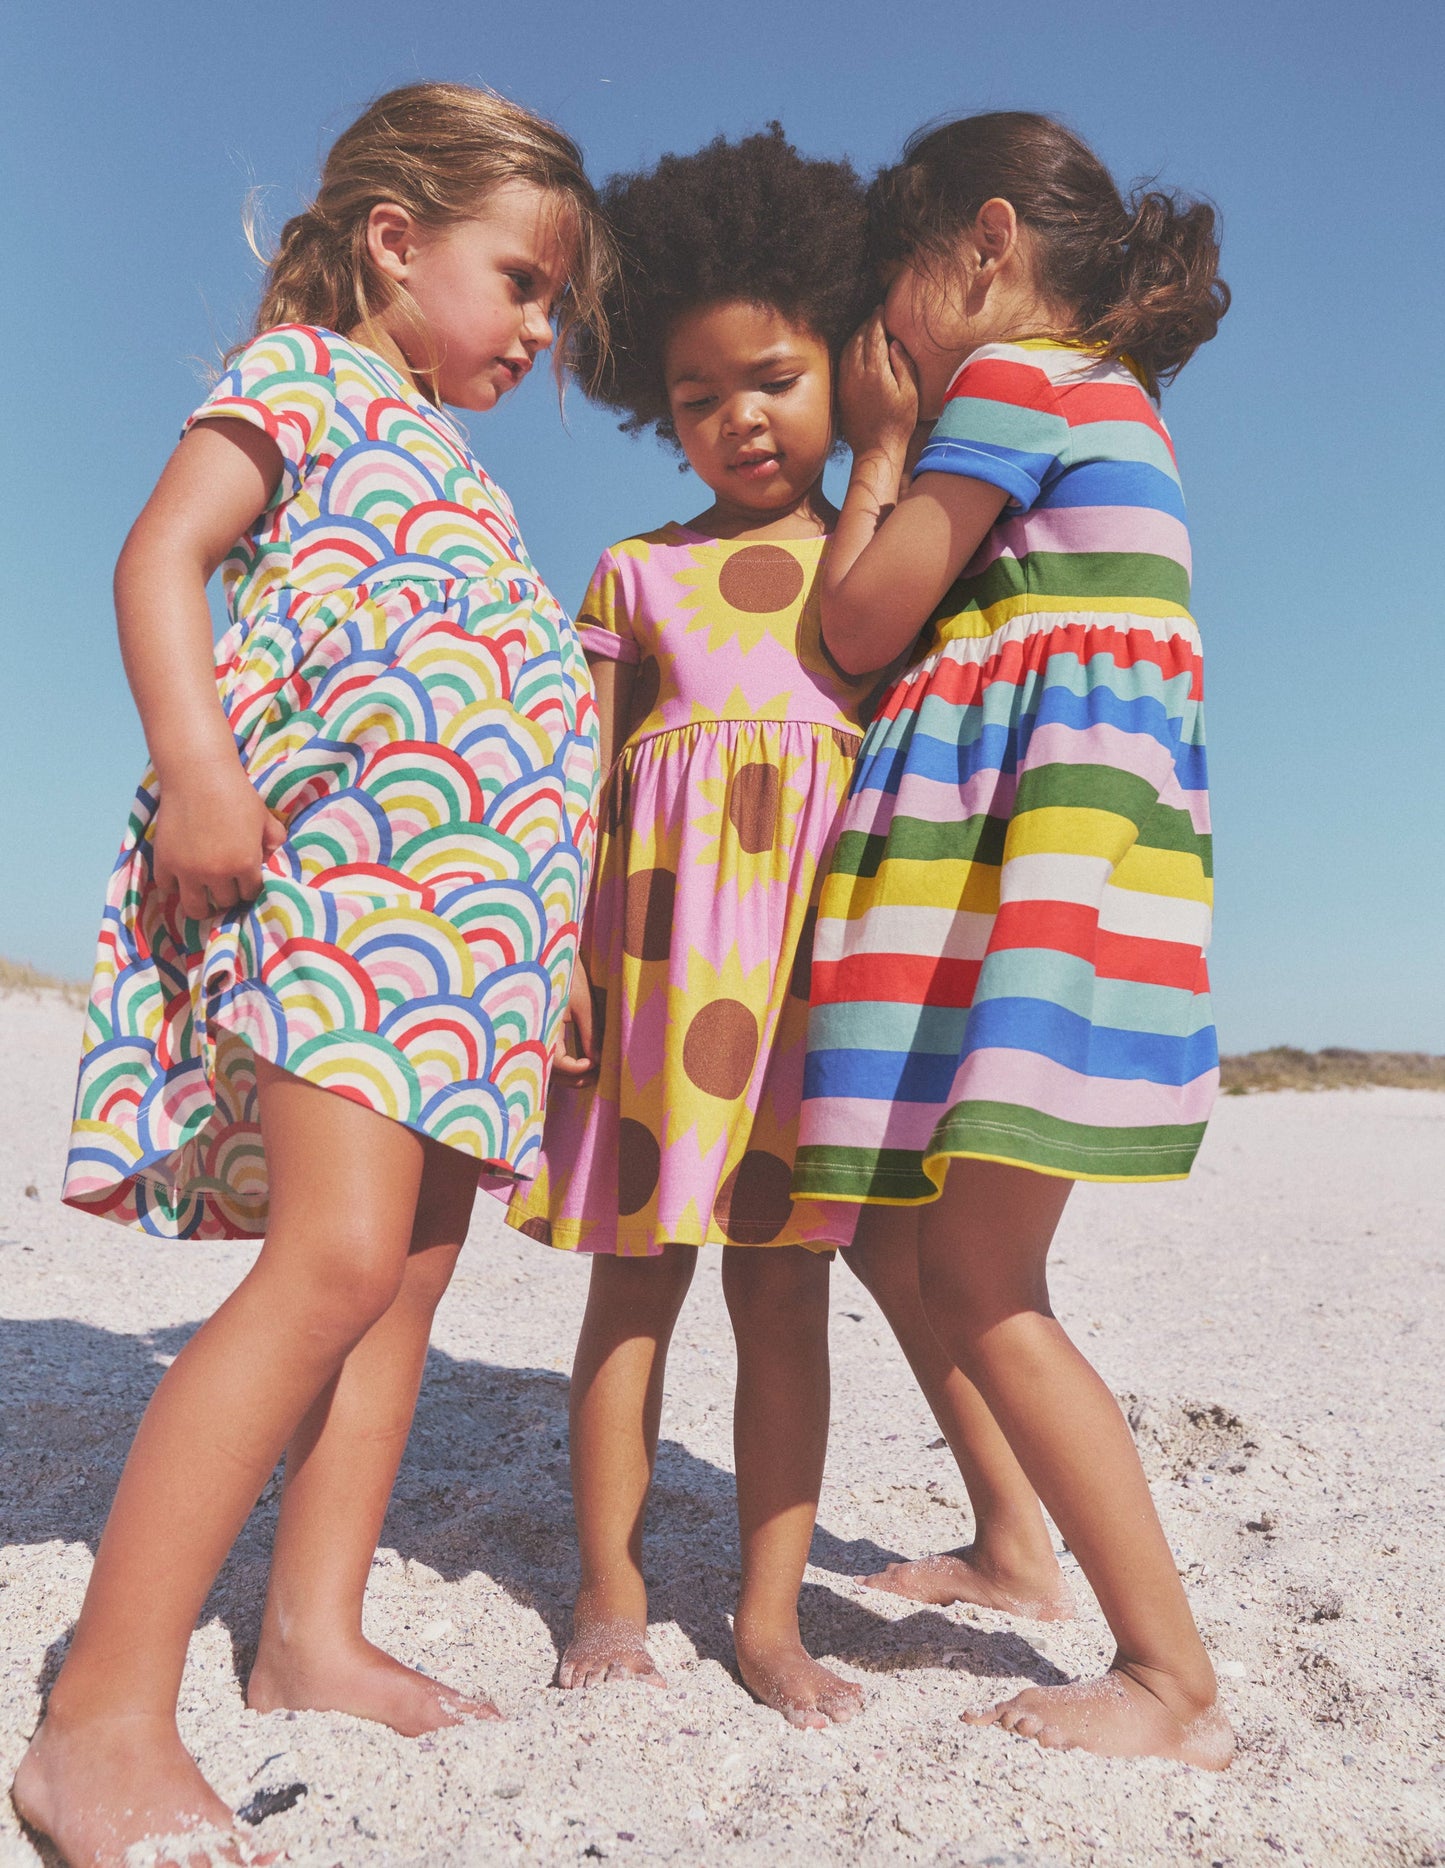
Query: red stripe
point(994, 379)
point(959, 683)
point(895, 978)
point(1073, 928)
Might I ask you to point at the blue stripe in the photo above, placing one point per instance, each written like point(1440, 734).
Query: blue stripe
point(1017, 474)
point(1000, 748)
point(1035, 1025)
point(1092, 1050)
point(880, 1076)
point(1116, 483)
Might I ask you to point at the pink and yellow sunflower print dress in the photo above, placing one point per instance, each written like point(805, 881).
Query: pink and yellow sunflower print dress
point(717, 823)
point(407, 696)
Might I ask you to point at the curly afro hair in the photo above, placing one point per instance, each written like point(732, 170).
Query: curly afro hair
point(749, 220)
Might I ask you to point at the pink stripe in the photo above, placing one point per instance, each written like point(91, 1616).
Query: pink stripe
point(1054, 1090)
point(936, 801)
point(1085, 529)
point(1138, 754)
point(859, 1122)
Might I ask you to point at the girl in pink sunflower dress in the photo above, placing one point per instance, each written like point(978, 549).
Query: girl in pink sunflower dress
point(735, 740)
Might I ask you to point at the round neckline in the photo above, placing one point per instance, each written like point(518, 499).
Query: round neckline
point(423, 404)
point(691, 533)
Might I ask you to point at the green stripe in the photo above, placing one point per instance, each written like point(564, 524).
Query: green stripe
point(861, 1174)
point(977, 839)
point(1036, 1140)
point(1072, 574)
point(1005, 1131)
point(1107, 788)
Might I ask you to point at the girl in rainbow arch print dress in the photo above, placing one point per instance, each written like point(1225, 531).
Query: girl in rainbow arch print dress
point(340, 936)
point(1008, 986)
point(737, 738)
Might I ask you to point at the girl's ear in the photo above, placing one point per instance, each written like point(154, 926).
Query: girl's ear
point(995, 232)
point(391, 240)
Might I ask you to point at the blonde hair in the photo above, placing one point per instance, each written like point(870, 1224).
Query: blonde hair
point(436, 150)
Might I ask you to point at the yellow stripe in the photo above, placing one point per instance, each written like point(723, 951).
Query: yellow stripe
point(1069, 830)
point(969, 623)
point(900, 883)
point(1164, 872)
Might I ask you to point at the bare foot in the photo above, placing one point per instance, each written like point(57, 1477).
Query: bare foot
point(1117, 1717)
point(362, 1680)
point(120, 1791)
point(606, 1647)
point(964, 1575)
point(784, 1675)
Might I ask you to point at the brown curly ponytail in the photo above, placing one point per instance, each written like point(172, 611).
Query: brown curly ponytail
point(1142, 276)
point(436, 150)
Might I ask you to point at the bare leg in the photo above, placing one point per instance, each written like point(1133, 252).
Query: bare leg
point(1010, 1564)
point(340, 1469)
point(616, 1413)
point(983, 1258)
point(777, 1297)
point(107, 1768)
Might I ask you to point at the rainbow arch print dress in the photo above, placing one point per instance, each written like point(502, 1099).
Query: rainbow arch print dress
point(1010, 950)
point(407, 696)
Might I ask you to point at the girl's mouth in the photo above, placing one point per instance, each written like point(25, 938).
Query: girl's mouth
point(515, 368)
point(757, 467)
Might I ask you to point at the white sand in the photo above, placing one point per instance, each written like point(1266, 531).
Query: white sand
point(1278, 1318)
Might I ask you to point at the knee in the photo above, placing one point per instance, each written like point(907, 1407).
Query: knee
point(339, 1289)
point(427, 1275)
point(775, 1290)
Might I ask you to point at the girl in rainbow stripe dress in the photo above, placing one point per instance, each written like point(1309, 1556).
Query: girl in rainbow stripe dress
point(1008, 987)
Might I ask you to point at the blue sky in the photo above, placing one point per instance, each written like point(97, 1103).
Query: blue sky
point(1309, 432)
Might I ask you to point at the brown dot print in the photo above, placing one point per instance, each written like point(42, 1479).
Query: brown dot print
point(754, 1202)
point(646, 686)
point(801, 983)
point(538, 1228)
point(647, 914)
point(753, 806)
point(719, 1048)
point(761, 578)
point(639, 1162)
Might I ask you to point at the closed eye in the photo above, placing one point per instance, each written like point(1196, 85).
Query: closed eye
point(780, 388)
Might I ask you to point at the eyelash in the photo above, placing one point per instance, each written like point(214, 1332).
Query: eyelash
point(771, 389)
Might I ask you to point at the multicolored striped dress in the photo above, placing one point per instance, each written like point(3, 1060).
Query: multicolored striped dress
point(409, 699)
point(1010, 950)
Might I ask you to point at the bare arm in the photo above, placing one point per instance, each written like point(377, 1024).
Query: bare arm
point(212, 830)
point(894, 552)
point(613, 682)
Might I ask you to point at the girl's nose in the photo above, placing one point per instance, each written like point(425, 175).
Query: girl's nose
point(743, 416)
point(537, 332)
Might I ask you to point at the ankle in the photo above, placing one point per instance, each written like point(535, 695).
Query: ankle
point(1006, 1552)
point(1187, 1690)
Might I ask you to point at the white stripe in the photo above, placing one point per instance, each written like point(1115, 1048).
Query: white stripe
point(1051, 877)
point(942, 933)
point(1154, 917)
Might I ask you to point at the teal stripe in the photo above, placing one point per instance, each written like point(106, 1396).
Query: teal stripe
point(887, 1025)
point(1120, 441)
point(1069, 982)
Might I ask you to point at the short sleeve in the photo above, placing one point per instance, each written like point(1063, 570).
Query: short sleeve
point(1001, 423)
point(283, 382)
point(604, 623)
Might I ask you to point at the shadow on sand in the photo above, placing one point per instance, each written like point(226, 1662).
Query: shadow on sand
point(484, 1486)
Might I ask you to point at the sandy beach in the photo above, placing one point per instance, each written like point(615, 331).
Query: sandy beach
point(1275, 1326)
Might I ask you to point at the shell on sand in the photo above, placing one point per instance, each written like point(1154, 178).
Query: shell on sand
point(1275, 1327)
